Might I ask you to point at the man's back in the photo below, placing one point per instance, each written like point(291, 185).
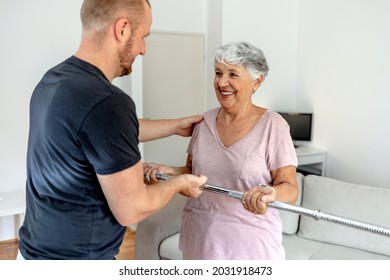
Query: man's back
point(67, 214)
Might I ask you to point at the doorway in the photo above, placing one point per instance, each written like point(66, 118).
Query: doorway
point(173, 87)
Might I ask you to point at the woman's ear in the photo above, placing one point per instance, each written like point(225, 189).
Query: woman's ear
point(258, 82)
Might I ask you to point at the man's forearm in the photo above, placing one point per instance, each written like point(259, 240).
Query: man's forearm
point(155, 129)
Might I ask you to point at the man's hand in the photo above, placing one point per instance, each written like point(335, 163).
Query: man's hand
point(186, 125)
point(191, 184)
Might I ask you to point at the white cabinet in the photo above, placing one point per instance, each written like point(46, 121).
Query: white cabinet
point(12, 204)
point(311, 160)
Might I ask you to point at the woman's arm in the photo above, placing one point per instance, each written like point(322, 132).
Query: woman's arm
point(285, 184)
point(284, 188)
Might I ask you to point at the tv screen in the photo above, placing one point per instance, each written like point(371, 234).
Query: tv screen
point(300, 125)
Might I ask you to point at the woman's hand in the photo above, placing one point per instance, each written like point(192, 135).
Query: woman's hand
point(255, 200)
point(150, 170)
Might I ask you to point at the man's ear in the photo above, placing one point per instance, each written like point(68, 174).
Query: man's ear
point(122, 30)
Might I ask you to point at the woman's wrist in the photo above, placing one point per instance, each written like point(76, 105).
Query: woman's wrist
point(271, 189)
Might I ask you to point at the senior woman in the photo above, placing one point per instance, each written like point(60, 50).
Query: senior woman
point(238, 146)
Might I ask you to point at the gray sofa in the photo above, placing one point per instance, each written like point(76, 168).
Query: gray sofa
point(303, 237)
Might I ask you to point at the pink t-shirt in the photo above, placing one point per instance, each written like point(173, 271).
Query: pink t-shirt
point(218, 227)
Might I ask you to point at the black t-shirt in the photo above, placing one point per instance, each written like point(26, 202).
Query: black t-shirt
point(80, 125)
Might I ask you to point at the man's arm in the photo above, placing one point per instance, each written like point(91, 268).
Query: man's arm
point(130, 200)
point(155, 129)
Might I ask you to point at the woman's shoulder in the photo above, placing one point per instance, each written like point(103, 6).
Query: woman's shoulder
point(210, 115)
point(211, 112)
point(273, 115)
point(274, 118)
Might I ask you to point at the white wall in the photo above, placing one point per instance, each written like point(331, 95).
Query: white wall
point(332, 58)
point(273, 27)
point(35, 35)
point(344, 63)
point(213, 40)
point(179, 15)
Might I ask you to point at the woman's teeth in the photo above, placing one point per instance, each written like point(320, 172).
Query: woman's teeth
point(226, 93)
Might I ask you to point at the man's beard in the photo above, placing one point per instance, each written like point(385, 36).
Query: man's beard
point(125, 58)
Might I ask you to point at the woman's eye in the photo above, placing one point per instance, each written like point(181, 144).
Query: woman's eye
point(218, 74)
point(233, 75)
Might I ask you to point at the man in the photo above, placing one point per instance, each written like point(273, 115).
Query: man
point(84, 170)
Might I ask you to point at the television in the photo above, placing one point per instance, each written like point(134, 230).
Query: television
point(300, 125)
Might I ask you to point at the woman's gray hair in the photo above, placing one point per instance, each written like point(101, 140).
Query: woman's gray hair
point(243, 54)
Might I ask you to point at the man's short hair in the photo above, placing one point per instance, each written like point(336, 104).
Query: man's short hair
point(97, 15)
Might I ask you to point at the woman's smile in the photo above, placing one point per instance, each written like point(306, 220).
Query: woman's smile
point(227, 93)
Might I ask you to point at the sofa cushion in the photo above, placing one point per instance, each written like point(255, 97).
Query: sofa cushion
point(290, 220)
point(169, 248)
point(157, 227)
point(358, 202)
point(305, 249)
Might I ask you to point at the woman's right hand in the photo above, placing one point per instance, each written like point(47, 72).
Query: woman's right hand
point(255, 200)
point(150, 170)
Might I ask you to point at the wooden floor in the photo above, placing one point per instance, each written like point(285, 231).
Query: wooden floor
point(9, 249)
point(126, 251)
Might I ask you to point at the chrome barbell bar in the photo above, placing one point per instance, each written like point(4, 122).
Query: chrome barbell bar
point(315, 214)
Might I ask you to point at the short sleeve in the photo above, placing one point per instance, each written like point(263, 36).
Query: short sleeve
point(283, 153)
point(109, 135)
point(194, 136)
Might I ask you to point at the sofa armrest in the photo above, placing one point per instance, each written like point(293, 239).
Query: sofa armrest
point(154, 229)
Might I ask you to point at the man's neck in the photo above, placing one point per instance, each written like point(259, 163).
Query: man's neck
point(96, 57)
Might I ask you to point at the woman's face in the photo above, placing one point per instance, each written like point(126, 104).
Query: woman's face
point(233, 86)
